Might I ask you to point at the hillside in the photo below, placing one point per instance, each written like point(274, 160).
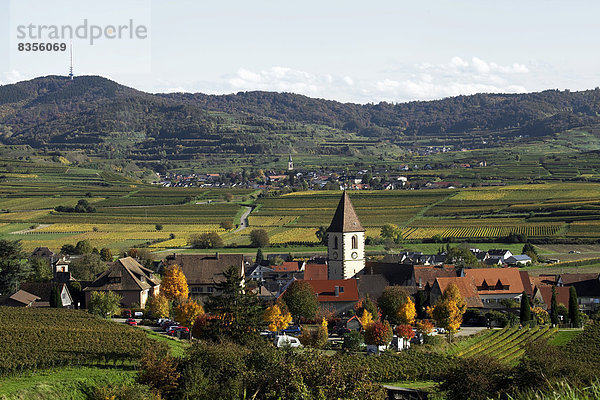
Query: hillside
point(109, 120)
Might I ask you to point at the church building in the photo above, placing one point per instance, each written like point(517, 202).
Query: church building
point(346, 242)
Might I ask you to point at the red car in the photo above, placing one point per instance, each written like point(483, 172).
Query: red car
point(173, 332)
point(126, 313)
point(131, 322)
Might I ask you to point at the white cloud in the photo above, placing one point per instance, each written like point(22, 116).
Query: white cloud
point(11, 77)
point(424, 81)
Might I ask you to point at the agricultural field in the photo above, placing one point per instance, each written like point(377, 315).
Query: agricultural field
point(506, 345)
point(35, 338)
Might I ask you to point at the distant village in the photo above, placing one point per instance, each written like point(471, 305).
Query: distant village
point(378, 178)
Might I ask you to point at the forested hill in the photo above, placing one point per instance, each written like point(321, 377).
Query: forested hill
point(54, 110)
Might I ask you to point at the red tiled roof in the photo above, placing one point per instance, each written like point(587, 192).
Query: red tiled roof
point(492, 276)
point(425, 274)
point(288, 266)
point(315, 272)
point(325, 289)
point(562, 295)
point(466, 288)
point(527, 285)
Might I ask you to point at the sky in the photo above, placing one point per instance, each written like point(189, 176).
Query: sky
point(350, 51)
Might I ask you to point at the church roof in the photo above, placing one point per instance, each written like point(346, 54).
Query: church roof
point(345, 219)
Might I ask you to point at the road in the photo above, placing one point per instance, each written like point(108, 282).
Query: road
point(244, 220)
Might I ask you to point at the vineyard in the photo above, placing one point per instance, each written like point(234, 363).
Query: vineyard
point(43, 338)
point(506, 345)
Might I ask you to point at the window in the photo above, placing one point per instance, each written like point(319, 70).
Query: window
point(335, 242)
point(210, 290)
point(341, 289)
point(114, 279)
point(354, 242)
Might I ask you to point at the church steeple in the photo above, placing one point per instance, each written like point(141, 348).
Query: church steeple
point(346, 242)
point(345, 218)
point(290, 164)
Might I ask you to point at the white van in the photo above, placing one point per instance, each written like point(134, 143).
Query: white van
point(285, 340)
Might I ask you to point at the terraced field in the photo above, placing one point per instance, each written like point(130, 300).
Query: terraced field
point(506, 345)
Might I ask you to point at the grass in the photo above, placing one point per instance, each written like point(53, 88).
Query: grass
point(62, 383)
point(177, 348)
point(564, 336)
point(413, 384)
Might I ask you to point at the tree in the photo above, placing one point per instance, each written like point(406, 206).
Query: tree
point(553, 307)
point(55, 299)
point(449, 310)
point(461, 256)
point(391, 231)
point(159, 306)
point(530, 251)
point(41, 270)
point(366, 319)
point(174, 285)
point(574, 308)
point(407, 312)
point(104, 304)
point(226, 225)
point(158, 227)
point(106, 254)
point(83, 247)
point(14, 266)
point(159, 371)
point(87, 267)
point(277, 318)
point(379, 333)
point(390, 301)
point(424, 327)
point(541, 315)
point(405, 331)
point(237, 314)
point(259, 256)
point(187, 312)
point(259, 238)
point(68, 249)
point(321, 234)
point(525, 313)
point(301, 300)
point(208, 240)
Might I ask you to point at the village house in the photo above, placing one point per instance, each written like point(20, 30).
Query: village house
point(21, 299)
point(205, 271)
point(587, 287)
point(44, 291)
point(339, 295)
point(129, 279)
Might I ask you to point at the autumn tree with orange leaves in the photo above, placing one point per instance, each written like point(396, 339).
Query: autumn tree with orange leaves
point(407, 312)
point(174, 285)
point(277, 317)
point(366, 319)
point(187, 312)
point(449, 310)
point(379, 333)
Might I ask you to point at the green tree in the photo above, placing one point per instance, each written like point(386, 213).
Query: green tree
point(83, 247)
point(104, 304)
point(301, 300)
point(530, 250)
point(525, 313)
point(321, 234)
point(390, 301)
point(68, 249)
point(106, 254)
point(210, 240)
point(259, 256)
point(55, 299)
point(14, 266)
point(87, 268)
point(391, 231)
point(237, 314)
point(158, 227)
point(574, 308)
point(259, 238)
point(461, 256)
point(553, 308)
point(41, 271)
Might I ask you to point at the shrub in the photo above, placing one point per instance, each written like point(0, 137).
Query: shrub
point(353, 341)
point(477, 378)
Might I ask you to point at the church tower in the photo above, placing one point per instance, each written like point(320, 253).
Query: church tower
point(346, 242)
point(290, 164)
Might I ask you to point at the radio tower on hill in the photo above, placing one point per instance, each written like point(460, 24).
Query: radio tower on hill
point(71, 59)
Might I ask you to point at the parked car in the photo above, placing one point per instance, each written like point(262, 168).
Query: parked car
point(171, 328)
point(340, 330)
point(126, 313)
point(267, 334)
point(138, 314)
point(285, 341)
point(292, 330)
point(172, 331)
point(131, 322)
